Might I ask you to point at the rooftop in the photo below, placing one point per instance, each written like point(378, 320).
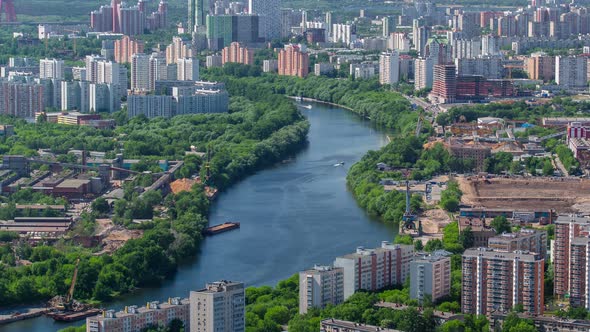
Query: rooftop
point(343, 325)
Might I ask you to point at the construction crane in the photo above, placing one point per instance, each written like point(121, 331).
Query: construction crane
point(67, 303)
point(75, 39)
point(408, 218)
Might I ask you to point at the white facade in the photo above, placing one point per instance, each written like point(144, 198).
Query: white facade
point(389, 68)
point(320, 286)
point(103, 97)
point(423, 73)
point(214, 61)
point(270, 66)
point(75, 96)
point(571, 71)
point(187, 69)
point(430, 275)
point(51, 68)
point(140, 72)
point(343, 33)
point(218, 307)
point(151, 106)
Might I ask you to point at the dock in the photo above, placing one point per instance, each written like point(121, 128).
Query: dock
point(16, 316)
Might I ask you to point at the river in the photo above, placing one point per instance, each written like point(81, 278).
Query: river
point(292, 216)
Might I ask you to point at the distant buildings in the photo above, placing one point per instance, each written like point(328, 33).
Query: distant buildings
point(293, 61)
point(444, 86)
point(526, 240)
point(270, 66)
point(540, 67)
point(21, 100)
point(184, 100)
point(126, 47)
point(237, 53)
point(571, 71)
point(269, 12)
point(343, 33)
point(336, 325)
point(497, 281)
point(128, 20)
point(320, 286)
point(220, 306)
point(373, 269)
point(389, 68)
point(431, 275)
point(188, 69)
point(51, 68)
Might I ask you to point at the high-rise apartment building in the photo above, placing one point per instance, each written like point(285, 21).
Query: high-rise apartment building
point(120, 17)
point(237, 53)
point(178, 49)
point(567, 229)
point(431, 275)
point(75, 96)
point(135, 318)
point(92, 67)
point(293, 61)
point(140, 73)
point(373, 269)
point(188, 69)
point(444, 84)
point(344, 33)
point(526, 239)
point(328, 21)
point(497, 281)
point(488, 67)
point(571, 71)
point(389, 68)
point(21, 100)
point(158, 70)
point(579, 278)
point(51, 68)
point(388, 26)
point(197, 13)
point(423, 73)
point(220, 306)
point(126, 47)
point(269, 12)
point(539, 66)
point(320, 286)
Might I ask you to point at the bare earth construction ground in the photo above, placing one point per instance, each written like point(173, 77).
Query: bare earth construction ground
point(565, 195)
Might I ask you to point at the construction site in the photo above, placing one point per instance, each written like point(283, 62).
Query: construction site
point(563, 195)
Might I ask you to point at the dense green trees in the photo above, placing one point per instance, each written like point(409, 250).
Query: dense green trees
point(501, 225)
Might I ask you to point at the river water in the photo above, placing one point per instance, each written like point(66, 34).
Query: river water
point(292, 216)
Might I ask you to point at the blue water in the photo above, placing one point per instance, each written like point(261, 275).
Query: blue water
point(294, 215)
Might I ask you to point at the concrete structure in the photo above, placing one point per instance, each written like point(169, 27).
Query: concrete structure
point(75, 96)
point(373, 269)
point(567, 260)
point(389, 68)
point(178, 49)
point(336, 325)
point(214, 61)
point(431, 274)
point(293, 61)
point(188, 69)
point(571, 71)
point(496, 281)
point(444, 86)
point(469, 150)
point(21, 100)
point(540, 67)
point(526, 240)
point(51, 68)
point(220, 306)
point(140, 73)
point(423, 73)
point(269, 12)
point(323, 68)
point(320, 286)
point(237, 53)
point(343, 33)
point(134, 318)
point(126, 47)
point(121, 17)
point(270, 66)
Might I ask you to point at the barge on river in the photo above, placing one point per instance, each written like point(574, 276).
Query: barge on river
point(228, 226)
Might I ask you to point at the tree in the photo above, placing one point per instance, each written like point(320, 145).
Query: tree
point(466, 238)
point(101, 206)
point(279, 315)
point(418, 246)
point(433, 245)
point(501, 225)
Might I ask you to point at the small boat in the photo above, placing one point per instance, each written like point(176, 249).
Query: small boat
point(73, 316)
point(339, 164)
point(307, 106)
point(227, 226)
point(298, 98)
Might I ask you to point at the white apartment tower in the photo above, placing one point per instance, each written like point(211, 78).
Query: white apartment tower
point(571, 71)
point(373, 269)
point(389, 68)
point(140, 72)
point(51, 68)
point(320, 286)
point(220, 306)
point(187, 69)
